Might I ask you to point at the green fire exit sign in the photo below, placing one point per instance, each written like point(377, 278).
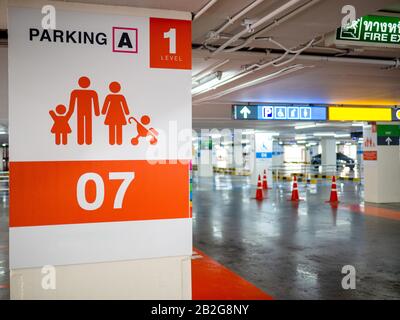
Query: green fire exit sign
point(375, 30)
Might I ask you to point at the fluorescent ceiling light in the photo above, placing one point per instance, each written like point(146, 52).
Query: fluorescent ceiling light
point(324, 134)
point(309, 125)
point(248, 131)
point(301, 141)
point(305, 126)
point(342, 135)
point(357, 124)
point(215, 135)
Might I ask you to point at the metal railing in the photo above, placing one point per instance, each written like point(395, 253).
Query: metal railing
point(315, 171)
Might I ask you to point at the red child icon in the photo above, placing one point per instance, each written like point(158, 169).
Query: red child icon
point(60, 128)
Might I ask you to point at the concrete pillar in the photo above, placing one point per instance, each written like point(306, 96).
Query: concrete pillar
point(262, 156)
point(277, 154)
point(277, 157)
point(328, 155)
point(381, 163)
point(205, 166)
point(359, 153)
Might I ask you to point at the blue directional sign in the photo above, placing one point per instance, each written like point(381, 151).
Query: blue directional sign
point(245, 112)
point(281, 112)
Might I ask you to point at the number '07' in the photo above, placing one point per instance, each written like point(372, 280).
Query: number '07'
point(126, 177)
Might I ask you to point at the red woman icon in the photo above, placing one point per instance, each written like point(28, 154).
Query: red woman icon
point(115, 108)
point(60, 128)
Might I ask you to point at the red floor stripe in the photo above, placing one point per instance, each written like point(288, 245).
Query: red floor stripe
point(374, 211)
point(213, 281)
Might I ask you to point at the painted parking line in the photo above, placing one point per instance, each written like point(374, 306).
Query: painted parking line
point(213, 281)
point(374, 211)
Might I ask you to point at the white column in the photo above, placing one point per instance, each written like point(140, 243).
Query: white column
point(359, 154)
point(381, 165)
point(277, 154)
point(262, 159)
point(328, 155)
point(205, 166)
point(238, 160)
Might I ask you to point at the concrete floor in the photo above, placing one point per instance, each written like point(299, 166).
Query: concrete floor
point(297, 251)
point(290, 251)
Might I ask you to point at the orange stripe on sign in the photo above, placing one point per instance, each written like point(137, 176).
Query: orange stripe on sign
point(46, 193)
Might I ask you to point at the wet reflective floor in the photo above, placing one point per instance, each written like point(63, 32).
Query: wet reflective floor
point(297, 251)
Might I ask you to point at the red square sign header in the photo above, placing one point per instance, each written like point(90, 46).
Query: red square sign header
point(170, 44)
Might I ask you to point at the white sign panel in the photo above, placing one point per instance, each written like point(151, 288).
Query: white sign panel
point(100, 137)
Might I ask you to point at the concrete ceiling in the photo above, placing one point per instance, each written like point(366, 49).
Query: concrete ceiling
point(318, 82)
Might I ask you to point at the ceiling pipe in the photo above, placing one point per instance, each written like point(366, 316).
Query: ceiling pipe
point(277, 62)
point(253, 26)
point(279, 21)
point(214, 34)
point(208, 70)
point(204, 9)
point(279, 73)
point(389, 63)
point(240, 55)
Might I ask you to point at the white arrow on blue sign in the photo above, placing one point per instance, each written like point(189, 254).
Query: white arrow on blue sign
point(245, 112)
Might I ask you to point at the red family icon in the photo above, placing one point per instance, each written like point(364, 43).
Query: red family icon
point(85, 102)
point(116, 109)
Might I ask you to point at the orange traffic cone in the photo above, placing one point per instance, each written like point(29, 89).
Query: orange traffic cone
point(334, 195)
point(265, 182)
point(259, 192)
point(295, 190)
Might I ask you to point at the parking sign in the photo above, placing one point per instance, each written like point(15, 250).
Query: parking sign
point(267, 112)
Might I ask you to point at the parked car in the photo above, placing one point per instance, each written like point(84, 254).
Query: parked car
point(341, 161)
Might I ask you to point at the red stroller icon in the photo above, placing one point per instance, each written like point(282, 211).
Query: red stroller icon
point(143, 131)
